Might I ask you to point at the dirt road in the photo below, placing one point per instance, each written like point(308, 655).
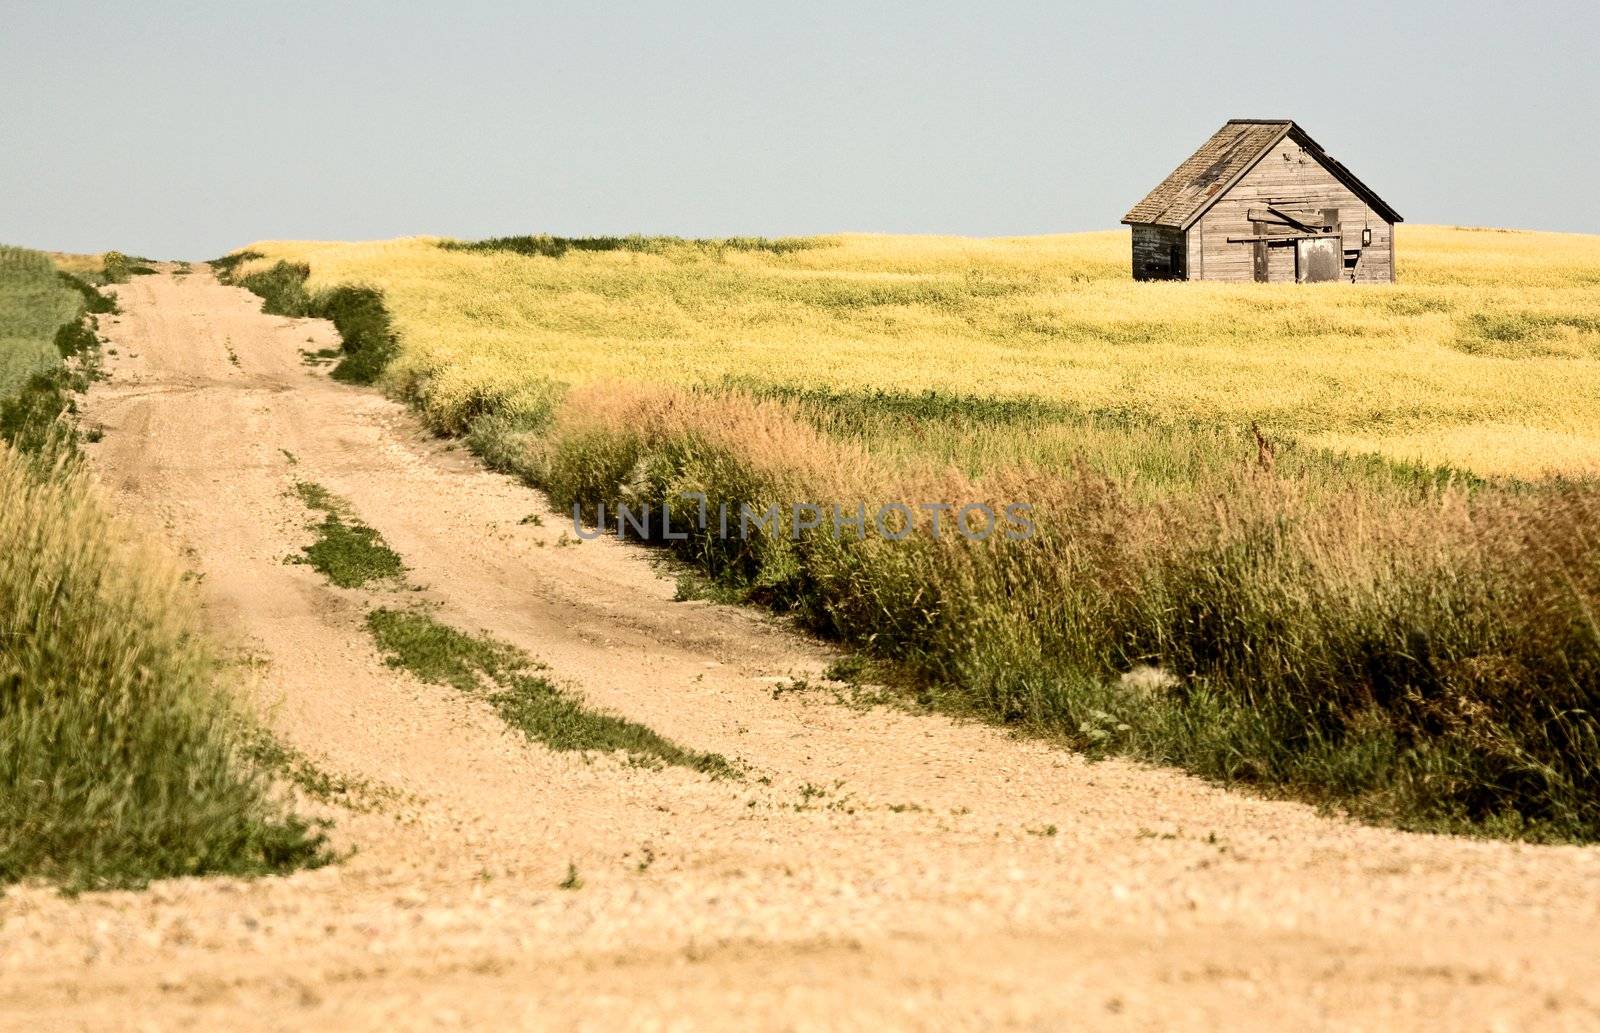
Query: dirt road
point(876, 869)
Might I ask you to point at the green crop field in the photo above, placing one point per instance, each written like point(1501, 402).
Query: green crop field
point(34, 302)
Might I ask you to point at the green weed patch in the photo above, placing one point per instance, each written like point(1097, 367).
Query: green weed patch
point(347, 552)
point(525, 699)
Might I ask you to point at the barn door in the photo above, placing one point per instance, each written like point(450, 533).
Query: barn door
point(1317, 259)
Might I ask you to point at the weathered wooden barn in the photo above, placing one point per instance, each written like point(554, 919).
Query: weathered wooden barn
point(1262, 201)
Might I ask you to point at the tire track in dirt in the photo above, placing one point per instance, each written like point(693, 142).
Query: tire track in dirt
point(876, 868)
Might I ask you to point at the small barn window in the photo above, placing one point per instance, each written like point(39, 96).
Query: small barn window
point(1366, 237)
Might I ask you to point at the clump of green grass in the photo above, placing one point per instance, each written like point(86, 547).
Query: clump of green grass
point(117, 267)
point(359, 315)
point(122, 759)
point(37, 381)
point(320, 357)
point(545, 246)
point(33, 419)
point(76, 340)
point(347, 551)
point(851, 669)
point(282, 288)
point(692, 586)
point(525, 699)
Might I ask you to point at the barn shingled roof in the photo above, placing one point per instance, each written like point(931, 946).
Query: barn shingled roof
point(1232, 150)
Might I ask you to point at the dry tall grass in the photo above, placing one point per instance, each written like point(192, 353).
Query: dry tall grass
point(121, 757)
point(1421, 653)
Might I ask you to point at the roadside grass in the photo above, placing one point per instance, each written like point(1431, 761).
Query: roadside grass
point(1416, 647)
point(95, 301)
point(346, 551)
point(32, 419)
point(102, 268)
point(226, 266)
point(85, 266)
point(512, 682)
point(60, 360)
point(691, 586)
point(117, 267)
point(122, 756)
point(35, 416)
point(357, 313)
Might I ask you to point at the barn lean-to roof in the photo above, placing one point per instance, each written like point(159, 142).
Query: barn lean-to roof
point(1222, 161)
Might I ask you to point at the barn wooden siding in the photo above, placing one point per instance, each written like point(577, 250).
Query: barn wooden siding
point(1286, 178)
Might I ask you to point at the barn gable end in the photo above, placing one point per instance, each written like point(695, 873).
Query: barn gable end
point(1262, 201)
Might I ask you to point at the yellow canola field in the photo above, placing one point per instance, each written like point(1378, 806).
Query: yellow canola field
point(1486, 355)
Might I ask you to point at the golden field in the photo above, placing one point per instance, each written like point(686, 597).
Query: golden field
point(1485, 356)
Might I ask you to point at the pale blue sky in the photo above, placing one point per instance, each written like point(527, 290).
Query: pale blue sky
point(186, 129)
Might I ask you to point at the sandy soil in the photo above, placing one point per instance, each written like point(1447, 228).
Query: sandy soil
point(949, 876)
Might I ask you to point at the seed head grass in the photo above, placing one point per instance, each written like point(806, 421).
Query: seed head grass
point(123, 756)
